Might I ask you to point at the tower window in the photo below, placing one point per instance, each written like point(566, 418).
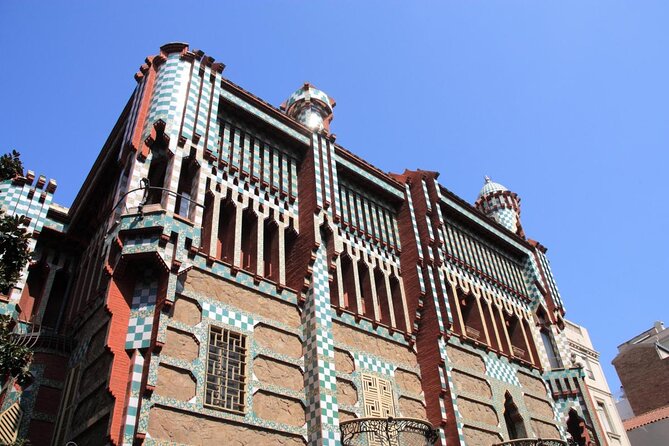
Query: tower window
point(226, 370)
point(551, 352)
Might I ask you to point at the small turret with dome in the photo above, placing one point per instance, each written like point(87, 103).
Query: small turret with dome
point(500, 204)
point(310, 106)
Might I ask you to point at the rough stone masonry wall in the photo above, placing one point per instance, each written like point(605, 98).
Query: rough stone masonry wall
point(274, 412)
point(481, 382)
point(358, 351)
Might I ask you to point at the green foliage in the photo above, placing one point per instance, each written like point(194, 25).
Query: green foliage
point(14, 253)
point(10, 165)
point(14, 359)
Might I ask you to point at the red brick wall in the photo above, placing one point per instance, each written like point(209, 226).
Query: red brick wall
point(644, 376)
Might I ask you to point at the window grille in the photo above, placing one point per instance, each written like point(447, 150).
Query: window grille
point(226, 370)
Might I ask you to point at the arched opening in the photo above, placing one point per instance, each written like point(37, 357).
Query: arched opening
point(382, 297)
point(289, 245)
point(249, 245)
point(56, 302)
point(471, 317)
point(518, 346)
point(225, 249)
point(398, 305)
point(455, 306)
point(327, 238)
point(187, 188)
point(271, 250)
point(32, 291)
point(348, 283)
point(549, 346)
point(365, 286)
point(207, 222)
point(490, 323)
point(513, 420)
point(547, 340)
point(157, 172)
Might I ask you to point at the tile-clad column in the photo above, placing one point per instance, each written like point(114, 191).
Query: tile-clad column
point(320, 382)
point(131, 411)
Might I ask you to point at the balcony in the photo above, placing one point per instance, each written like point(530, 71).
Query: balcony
point(387, 432)
point(533, 442)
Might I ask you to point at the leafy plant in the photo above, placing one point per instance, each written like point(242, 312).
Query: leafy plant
point(14, 359)
point(10, 165)
point(14, 252)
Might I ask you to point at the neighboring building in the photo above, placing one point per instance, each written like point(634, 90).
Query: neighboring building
point(643, 368)
point(649, 429)
point(642, 365)
point(584, 354)
point(228, 271)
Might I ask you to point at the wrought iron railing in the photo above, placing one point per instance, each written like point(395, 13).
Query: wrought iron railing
point(533, 442)
point(387, 432)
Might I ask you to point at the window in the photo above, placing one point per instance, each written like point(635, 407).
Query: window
point(547, 340)
point(603, 416)
point(513, 419)
point(226, 370)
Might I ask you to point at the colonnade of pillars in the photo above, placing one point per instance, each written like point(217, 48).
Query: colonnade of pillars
point(370, 291)
point(245, 235)
point(479, 317)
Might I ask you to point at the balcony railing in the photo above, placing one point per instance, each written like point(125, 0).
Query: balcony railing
point(533, 442)
point(387, 432)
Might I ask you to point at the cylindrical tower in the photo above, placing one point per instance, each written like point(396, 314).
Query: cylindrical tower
point(311, 107)
point(500, 204)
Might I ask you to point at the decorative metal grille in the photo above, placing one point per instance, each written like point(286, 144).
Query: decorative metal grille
point(377, 394)
point(226, 370)
point(387, 432)
point(10, 420)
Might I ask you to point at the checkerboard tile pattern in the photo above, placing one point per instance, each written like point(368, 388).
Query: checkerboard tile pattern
point(446, 376)
point(320, 379)
point(142, 311)
point(132, 409)
point(371, 364)
point(500, 369)
point(139, 332)
point(227, 317)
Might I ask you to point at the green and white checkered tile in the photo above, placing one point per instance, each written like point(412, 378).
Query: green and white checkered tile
point(500, 369)
point(364, 362)
point(447, 370)
point(228, 317)
point(320, 376)
point(131, 410)
point(141, 311)
point(139, 332)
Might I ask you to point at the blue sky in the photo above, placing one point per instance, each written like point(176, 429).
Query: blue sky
point(564, 102)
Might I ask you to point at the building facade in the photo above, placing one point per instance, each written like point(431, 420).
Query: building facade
point(584, 354)
point(642, 365)
point(229, 271)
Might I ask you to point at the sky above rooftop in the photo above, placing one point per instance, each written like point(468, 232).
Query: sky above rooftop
point(564, 102)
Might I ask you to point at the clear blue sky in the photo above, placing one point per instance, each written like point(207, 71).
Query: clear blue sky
point(564, 102)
